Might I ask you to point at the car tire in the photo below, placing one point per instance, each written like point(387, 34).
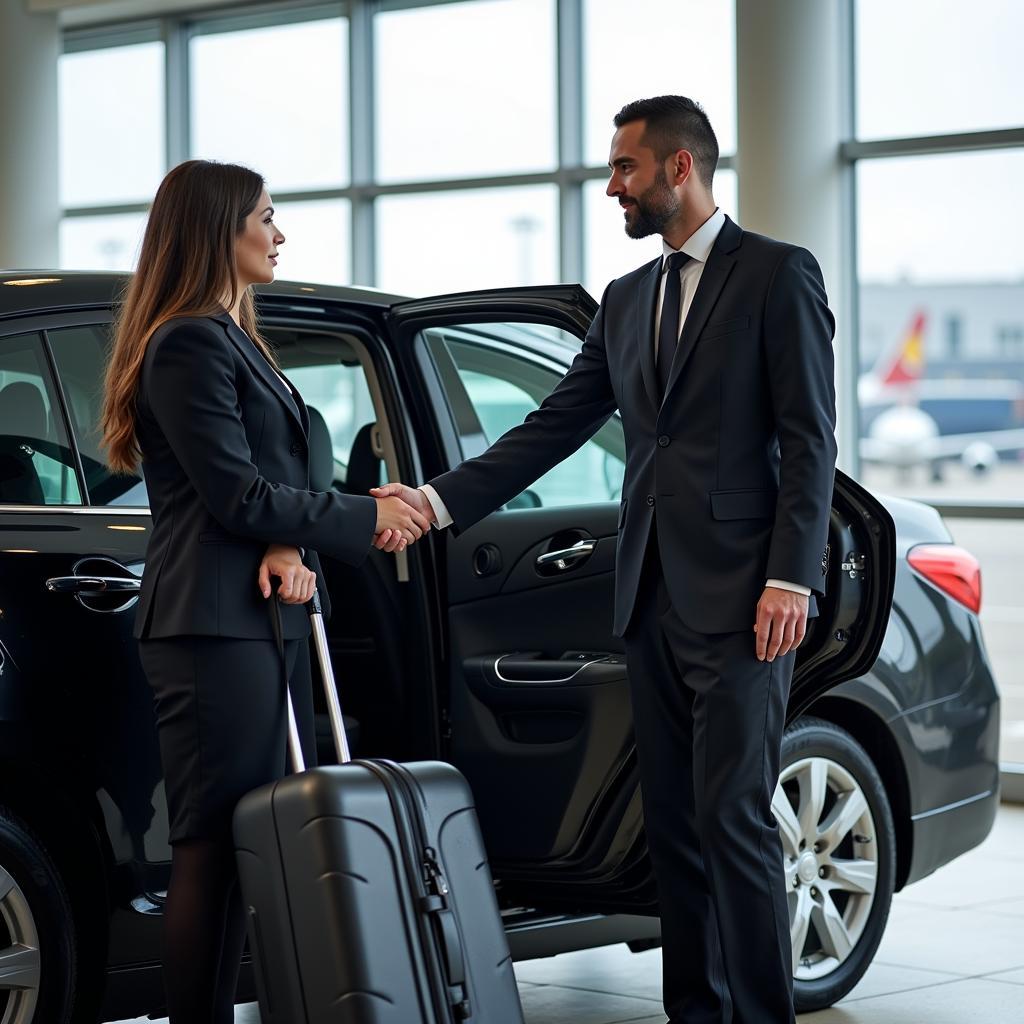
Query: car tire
point(36, 928)
point(839, 849)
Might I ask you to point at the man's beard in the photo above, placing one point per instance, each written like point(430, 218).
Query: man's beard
point(653, 210)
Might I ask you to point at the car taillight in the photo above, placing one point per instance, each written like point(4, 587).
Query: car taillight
point(951, 569)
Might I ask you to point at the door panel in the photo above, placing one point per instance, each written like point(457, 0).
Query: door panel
point(549, 753)
point(844, 641)
point(539, 740)
point(546, 742)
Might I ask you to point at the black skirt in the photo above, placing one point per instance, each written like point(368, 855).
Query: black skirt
point(222, 722)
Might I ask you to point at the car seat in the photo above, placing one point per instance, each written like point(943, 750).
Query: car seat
point(22, 425)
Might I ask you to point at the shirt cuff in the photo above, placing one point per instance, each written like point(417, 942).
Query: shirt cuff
point(441, 512)
point(795, 587)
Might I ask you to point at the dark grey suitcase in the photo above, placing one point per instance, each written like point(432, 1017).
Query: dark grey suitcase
point(369, 896)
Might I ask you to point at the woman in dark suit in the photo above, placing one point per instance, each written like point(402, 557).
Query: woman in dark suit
point(194, 392)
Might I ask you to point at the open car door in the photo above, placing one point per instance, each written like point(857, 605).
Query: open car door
point(539, 716)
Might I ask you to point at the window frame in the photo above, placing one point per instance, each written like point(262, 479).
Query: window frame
point(569, 174)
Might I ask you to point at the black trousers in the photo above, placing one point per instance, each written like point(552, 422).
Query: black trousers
point(709, 720)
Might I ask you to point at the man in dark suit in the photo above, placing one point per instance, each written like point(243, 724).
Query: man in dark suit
point(719, 357)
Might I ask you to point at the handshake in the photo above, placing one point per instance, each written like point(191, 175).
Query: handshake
point(403, 516)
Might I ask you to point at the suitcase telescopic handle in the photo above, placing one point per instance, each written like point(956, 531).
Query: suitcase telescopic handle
point(316, 621)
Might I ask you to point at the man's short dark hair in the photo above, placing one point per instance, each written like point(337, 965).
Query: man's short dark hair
point(674, 123)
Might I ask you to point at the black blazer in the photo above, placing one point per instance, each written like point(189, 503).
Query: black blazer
point(737, 463)
point(225, 455)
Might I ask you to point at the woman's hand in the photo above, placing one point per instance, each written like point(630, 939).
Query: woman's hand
point(297, 582)
point(405, 522)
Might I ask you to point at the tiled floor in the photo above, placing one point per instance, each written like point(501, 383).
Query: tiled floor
point(953, 953)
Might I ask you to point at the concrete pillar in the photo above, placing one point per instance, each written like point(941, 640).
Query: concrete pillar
point(791, 66)
point(29, 199)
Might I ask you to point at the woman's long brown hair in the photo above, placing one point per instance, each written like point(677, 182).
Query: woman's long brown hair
point(186, 268)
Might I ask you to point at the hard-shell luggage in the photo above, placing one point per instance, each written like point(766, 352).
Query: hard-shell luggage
point(368, 893)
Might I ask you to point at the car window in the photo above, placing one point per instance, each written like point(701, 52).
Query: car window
point(80, 354)
point(36, 462)
point(502, 372)
point(338, 392)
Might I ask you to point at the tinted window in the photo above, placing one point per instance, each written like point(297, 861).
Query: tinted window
point(495, 386)
point(80, 354)
point(36, 463)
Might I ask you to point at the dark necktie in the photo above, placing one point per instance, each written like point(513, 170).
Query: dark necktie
point(668, 334)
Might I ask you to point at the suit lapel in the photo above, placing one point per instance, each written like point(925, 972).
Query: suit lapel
point(259, 365)
point(646, 302)
point(712, 280)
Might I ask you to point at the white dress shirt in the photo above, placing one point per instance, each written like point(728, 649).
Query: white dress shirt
point(698, 247)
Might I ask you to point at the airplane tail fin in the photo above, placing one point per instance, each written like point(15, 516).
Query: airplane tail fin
point(906, 364)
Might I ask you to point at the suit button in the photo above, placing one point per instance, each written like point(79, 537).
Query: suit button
point(297, 449)
point(664, 441)
point(650, 499)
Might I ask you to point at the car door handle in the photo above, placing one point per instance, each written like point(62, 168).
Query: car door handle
point(566, 557)
point(92, 586)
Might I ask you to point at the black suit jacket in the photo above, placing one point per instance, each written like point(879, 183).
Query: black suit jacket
point(226, 459)
point(737, 462)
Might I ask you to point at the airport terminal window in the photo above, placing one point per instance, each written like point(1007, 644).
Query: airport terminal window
point(36, 463)
point(478, 238)
point(316, 246)
point(621, 54)
point(104, 242)
point(485, 87)
point(942, 385)
point(919, 72)
point(111, 137)
point(293, 129)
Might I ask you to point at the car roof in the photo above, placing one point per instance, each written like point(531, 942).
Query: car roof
point(26, 291)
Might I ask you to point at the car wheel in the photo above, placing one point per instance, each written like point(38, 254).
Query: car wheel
point(839, 849)
point(37, 946)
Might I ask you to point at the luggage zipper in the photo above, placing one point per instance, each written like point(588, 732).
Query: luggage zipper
point(435, 904)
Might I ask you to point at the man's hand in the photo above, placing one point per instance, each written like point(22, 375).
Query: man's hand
point(392, 539)
point(399, 522)
point(781, 622)
point(297, 582)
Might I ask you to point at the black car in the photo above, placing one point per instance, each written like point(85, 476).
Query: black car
point(492, 649)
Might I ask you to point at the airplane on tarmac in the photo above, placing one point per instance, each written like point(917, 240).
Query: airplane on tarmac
point(910, 420)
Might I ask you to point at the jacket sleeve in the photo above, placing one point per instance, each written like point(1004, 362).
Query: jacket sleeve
point(798, 333)
point(189, 384)
point(575, 410)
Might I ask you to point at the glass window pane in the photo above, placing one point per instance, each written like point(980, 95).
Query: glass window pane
point(655, 48)
point(80, 355)
point(340, 394)
point(111, 137)
point(610, 252)
point(36, 464)
point(316, 246)
point(274, 99)
point(925, 68)
point(502, 389)
point(441, 242)
point(108, 242)
point(1002, 614)
point(942, 327)
point(454, 98)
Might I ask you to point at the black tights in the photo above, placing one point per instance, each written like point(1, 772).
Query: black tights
point(204, 932)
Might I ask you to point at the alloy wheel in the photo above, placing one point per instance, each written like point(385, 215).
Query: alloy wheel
point(19, 954)
point(830, 850)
